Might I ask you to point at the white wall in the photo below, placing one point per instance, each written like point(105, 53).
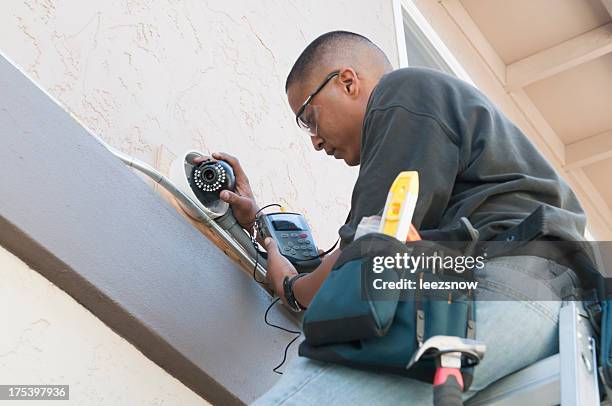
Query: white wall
point(183, 74)
point(196, 74)
point(49, 338)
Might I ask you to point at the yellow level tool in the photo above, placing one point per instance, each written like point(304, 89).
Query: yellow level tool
point(397, 216)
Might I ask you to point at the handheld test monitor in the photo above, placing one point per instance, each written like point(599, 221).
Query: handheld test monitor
point(293, 238)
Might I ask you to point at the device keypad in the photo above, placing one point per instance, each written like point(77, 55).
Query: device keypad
point(298, 245)
point(293, 237)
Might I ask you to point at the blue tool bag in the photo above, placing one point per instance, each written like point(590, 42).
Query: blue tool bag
point(349, 325)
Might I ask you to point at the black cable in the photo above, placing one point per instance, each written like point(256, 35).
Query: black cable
point(254, 242)
point(256, 263)
point(274, 325)
point(266, 206)
point(285, 355)
point(298, 333)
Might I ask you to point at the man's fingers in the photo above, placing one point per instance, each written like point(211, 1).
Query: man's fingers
point(229, 197)
point(232, 160)
point(224, 155)
point(200, 159)
point(270, 245)
point(234, 199)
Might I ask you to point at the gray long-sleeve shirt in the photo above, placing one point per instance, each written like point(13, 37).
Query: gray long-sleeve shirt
point(472, 161)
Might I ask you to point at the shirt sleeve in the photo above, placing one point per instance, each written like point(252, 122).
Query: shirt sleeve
point(396, 139)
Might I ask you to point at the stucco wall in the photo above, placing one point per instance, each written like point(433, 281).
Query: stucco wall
point(49, 338)
point(196, 74)
point(182, 74)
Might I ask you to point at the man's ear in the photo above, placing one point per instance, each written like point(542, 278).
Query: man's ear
point(351, 85)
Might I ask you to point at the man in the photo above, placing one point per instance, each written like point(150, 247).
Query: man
point(472, 161)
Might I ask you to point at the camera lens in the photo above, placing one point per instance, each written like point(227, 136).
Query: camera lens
point(209, 175)
point(212, 177)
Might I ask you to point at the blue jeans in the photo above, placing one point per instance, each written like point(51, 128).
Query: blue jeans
point(516, 329)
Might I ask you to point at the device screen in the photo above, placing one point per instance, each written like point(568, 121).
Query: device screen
point(285, 225)
point(288, 222)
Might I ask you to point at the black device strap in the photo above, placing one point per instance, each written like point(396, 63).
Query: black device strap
point(288, 290)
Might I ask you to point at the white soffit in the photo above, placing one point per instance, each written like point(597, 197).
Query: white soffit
point(599, 173)
point(577, 103)
point(553, 58)
point(517, 29)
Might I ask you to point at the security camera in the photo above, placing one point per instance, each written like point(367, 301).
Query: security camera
point(203, 181)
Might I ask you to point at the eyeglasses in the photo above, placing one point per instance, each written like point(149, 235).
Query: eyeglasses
point(306, 117)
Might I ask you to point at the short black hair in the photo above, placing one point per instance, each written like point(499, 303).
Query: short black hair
point(333, 41)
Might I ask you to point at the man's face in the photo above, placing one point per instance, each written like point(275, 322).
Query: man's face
point(335, 114)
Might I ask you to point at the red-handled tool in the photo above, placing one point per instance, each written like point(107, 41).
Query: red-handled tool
point(449, 352)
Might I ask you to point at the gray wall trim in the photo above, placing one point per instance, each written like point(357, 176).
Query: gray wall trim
point(116, 317)
point(79, 216)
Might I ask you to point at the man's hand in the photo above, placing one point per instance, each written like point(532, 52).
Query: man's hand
point(242, 200)
point(278, 268)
